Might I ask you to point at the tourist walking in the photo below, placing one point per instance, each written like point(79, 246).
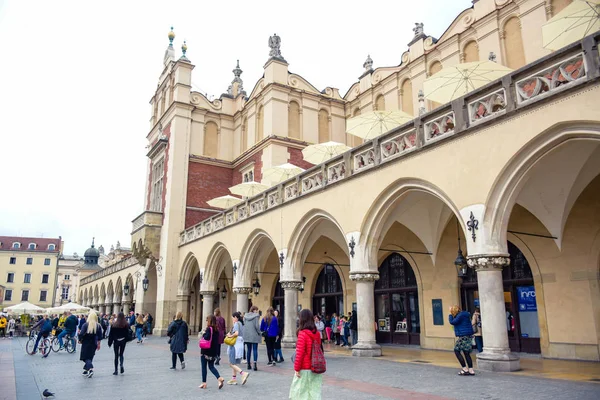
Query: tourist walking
point(320, 326)
point(11, 327)
point(461, 320)
point(139, 327)
point(178, 332)
point(3, 323)
point(335, 328)
point(89, 338)
point(476, 323)
point(252, 335)
point(354, 327)
point(119, 333)
point(150, 319)
point(277, 345)
point(345, 326)
point(209, 355)
point(222, 331)
point(270, 328)
point(306, 384)
point(328, 329)
point(235, 348)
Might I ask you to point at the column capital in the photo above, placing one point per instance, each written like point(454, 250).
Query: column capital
point(291, 285)
point(126, 302)
point(242, 290)
point(183, 296)
point(207, 292)
point(485, 262)
point(364, 276)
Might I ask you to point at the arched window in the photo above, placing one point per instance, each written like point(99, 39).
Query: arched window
point(294, 120)
point(31, 246)
point(211, 140)
point(16, 245)
point(260, 124)
point(513, 44)
point(559, 5)
point(51, 247)
point(323, 126)
point(407, 97)
point(355, 140)
point(434, 68)
point(328, 297)
point(380, 103)
point(244, 138)
point(471, 52)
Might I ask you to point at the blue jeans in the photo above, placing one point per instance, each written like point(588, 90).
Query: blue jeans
point(138, 333)
point(249, 348)
point(278, 354)
point(63, 334)
point(39, 337)
point(211, 366)
point(345, 340)
point(479, 343)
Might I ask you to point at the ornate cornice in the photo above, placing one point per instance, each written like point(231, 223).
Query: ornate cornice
point(242, 290)
point(364, 276)
point(291, 285)
point(488, 262)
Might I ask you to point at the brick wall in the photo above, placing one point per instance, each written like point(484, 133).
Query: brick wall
point(257, 158)
point(297, 159)
point(205, 182)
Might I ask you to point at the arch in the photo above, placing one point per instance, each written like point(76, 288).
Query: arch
point(294, 120)
point(211, 140)
point(302, 239)
point(215, 263)
point(110, 290)
point(254, 255)
point(407, 97)
point(102, 292)
point(377, 221)
point(323, 126)
point(328, 290)
point(513, 177)
point(260, 124)
point(244, 138)
point(96, 297)
point(513, 43)
point(187, 272)
point(471, 51)
point(379, 103)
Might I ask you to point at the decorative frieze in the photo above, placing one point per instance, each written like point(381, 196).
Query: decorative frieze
point(272, 199)
point(291, 285)
point(441, 126)
point(218, 223)
point(291, 191)
point(487, 106)
point(364, 276)
point(257, 206)
point(242, 212)
point(242, 290)
point(336, 172)
point(398, 145)
point(488, 263)
point(312, 182)
point(364, 160)
point(229, 218)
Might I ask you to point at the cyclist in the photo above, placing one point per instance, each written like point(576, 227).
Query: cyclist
point(70, 328)
point(45, 328)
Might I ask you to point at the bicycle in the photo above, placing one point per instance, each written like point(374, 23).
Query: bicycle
point(55, 344)
point(43, 345)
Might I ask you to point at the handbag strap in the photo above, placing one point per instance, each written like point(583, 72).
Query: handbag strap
point(211, 334)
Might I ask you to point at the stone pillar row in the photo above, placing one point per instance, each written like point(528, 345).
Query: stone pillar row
point(207, 305)
point(291, 289)
point(365, 308)
point(242, 298)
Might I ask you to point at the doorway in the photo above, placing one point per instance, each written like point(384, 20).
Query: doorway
point(328, 297)
point(519, 301)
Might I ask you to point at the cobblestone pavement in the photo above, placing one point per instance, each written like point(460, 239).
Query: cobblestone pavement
point(147, 376)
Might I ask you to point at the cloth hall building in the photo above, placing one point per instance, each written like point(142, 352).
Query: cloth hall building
point(509, 174)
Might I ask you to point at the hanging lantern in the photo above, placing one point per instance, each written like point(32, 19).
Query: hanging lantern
point(461, 264)
point(256, 286)
point(145, 283)
point(302, 284)
point(224, 293)
point(126, 289)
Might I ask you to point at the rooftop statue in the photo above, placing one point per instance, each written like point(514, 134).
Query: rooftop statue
point(275, 44)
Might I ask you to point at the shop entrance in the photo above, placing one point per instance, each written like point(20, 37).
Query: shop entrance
point(397, 302)
point(328, 297)
point(278, 298)
point(519, 301)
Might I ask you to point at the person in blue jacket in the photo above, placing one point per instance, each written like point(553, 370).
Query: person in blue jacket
point(270, 327)
point(45, 326)
point(461, 320)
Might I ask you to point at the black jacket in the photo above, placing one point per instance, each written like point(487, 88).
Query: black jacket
point(354, 322)
point(178, 332)
point(214, 344)
point(119, 334)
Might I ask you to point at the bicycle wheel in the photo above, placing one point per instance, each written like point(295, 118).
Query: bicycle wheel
point(29, 346)
point(45, 347)
point(55, 344)
point(69, 346)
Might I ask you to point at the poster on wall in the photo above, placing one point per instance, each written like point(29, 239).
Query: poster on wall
point(526, 295)
point(438, 311)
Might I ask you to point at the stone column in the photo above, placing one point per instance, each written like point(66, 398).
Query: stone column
point(242, 298)
point(116, 308)
point(108, 309)
point(207, 305)
point(365, 307)
point(126, 305)
point(496, 355)
point(101, 309)
point(183, 305)
point(290, 313)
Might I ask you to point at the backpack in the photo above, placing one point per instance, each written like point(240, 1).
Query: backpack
point(318, 365)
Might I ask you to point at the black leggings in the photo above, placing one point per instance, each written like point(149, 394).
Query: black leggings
point(461, 360)
point(270, 342)
point(174, 358)
point(119, 348)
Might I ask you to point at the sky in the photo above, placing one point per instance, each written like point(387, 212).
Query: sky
point(76, 78)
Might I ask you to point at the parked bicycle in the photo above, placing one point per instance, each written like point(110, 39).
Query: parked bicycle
point(43, 345)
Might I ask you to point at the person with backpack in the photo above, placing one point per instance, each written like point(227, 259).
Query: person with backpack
point(309, 362)
point(476, 322)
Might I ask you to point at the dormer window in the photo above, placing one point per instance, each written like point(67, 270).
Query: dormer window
point(31, 246)
point(16, 245)
point(247, 173)
point(51, 247)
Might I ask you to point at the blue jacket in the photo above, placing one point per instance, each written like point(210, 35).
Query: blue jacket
point(462, 324)
point(71, 323)
point(272, 330)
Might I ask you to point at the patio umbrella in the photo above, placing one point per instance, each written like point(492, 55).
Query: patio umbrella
point(72, 307)
point(375, 123)
point(248, 189)
point(456, 81)
point(574, 22)
point(24, 308)
point(280, 173)
point(321, 152)
point(226, 201)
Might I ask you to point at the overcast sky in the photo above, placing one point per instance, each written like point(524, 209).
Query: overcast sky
point(76, 78)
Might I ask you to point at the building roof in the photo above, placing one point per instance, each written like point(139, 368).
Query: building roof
point(41, 244)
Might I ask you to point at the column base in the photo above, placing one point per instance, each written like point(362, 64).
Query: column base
point(159, 332)
point(366, 350)
point(504, 362)
point(288, 343)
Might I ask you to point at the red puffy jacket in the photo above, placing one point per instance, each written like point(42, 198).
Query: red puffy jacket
point(304, 349)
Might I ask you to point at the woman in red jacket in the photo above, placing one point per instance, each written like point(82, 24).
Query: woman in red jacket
point(306, 385)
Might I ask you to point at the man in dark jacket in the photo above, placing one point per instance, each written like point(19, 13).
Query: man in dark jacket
point(354, 327)
point(45, 328)
point(131, 320)
point(70, 328)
